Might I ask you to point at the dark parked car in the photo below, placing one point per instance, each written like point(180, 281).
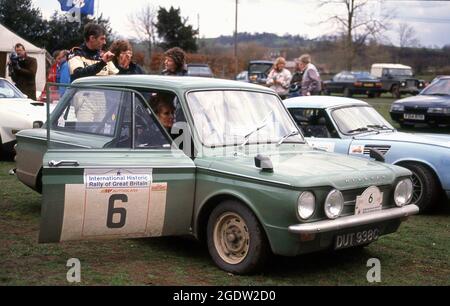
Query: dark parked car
point(397, 79)
point(242, 76)
point(200, 70)
point(431, 106)
point(353, 82)
point(258, 71)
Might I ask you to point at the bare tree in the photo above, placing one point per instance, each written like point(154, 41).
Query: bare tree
point(357, 24)
point(406, 36)
point(143, 24)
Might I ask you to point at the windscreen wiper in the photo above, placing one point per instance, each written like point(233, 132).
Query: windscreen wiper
point(379, 126)
point(438, 94)
point(292, 133)
point(261, 126)
point(361, 129)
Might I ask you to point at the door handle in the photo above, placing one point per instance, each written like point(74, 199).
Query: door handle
point(53, 163)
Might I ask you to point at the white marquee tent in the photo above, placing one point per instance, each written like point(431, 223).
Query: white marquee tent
point(7, 41)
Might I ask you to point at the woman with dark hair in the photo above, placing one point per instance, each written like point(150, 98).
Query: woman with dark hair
point(174, 62)
point(123, 53)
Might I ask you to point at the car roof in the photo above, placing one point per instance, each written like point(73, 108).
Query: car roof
point(261, 62)
point(322, 102)
point(390, 66)
point(198, 64)
point(185, 83)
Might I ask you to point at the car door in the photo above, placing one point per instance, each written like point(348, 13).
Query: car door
point(112, 171)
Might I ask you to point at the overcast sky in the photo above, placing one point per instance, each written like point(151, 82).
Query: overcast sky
point(430, 19)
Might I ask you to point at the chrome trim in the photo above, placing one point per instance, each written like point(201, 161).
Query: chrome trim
point(73, 163)
point(350, 203)
point(352, 221)
point(127, 167)
point(245, 176)
point(56, 141)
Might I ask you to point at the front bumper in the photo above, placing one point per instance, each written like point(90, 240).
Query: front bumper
point(411, 90)
point(354, 221)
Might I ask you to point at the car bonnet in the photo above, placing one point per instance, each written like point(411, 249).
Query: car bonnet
point(311, 169)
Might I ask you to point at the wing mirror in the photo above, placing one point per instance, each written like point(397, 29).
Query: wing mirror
point(263, 162)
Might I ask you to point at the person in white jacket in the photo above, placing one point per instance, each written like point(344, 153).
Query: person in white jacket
point(279, 78)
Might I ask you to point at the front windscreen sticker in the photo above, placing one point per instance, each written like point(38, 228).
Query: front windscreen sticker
point(114, 203)
point(356, 149)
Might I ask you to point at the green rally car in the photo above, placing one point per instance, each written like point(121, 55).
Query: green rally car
point(233, 170)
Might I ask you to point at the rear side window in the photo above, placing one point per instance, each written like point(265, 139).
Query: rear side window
point(122, 119)
point(93, 111)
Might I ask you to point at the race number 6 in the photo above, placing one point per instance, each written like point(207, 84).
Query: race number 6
point(116, 210)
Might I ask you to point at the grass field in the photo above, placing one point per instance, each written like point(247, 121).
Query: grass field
point(418, 254)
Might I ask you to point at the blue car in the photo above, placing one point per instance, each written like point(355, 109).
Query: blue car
point(350, 126)
point(431, 106)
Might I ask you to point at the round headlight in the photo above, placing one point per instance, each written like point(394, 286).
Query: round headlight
point(403, 192)
point(306, 205)
point(334, 204)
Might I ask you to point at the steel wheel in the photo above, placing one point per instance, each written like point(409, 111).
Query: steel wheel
point(231, 238)
point(236, 240)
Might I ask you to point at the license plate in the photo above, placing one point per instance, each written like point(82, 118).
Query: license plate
point(368, 85)
point(414, 116)
point(349, 240)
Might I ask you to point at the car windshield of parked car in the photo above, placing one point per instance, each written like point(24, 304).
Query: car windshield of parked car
point(399, 72)
point(199, 70)
point(364, 75)
point(440, 87)
point(259, 68)
point(7, 91)
point(359, 119)
point(228, 117)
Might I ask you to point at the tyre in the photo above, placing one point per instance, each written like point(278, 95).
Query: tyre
point(326, 92)
point(347, 92)
point(236, 240)
point(426, 189)
point(395, 90)
point(371, 95)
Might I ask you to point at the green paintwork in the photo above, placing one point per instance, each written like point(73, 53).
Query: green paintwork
point(195, 184)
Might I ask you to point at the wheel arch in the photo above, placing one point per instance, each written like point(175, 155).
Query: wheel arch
point(211, 202)
point(426, 164)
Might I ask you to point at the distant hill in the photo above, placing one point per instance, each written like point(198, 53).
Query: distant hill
point(268, 40)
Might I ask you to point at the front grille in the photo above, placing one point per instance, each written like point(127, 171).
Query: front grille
point(411, 83)
point(381, 148)
point(416, 110)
